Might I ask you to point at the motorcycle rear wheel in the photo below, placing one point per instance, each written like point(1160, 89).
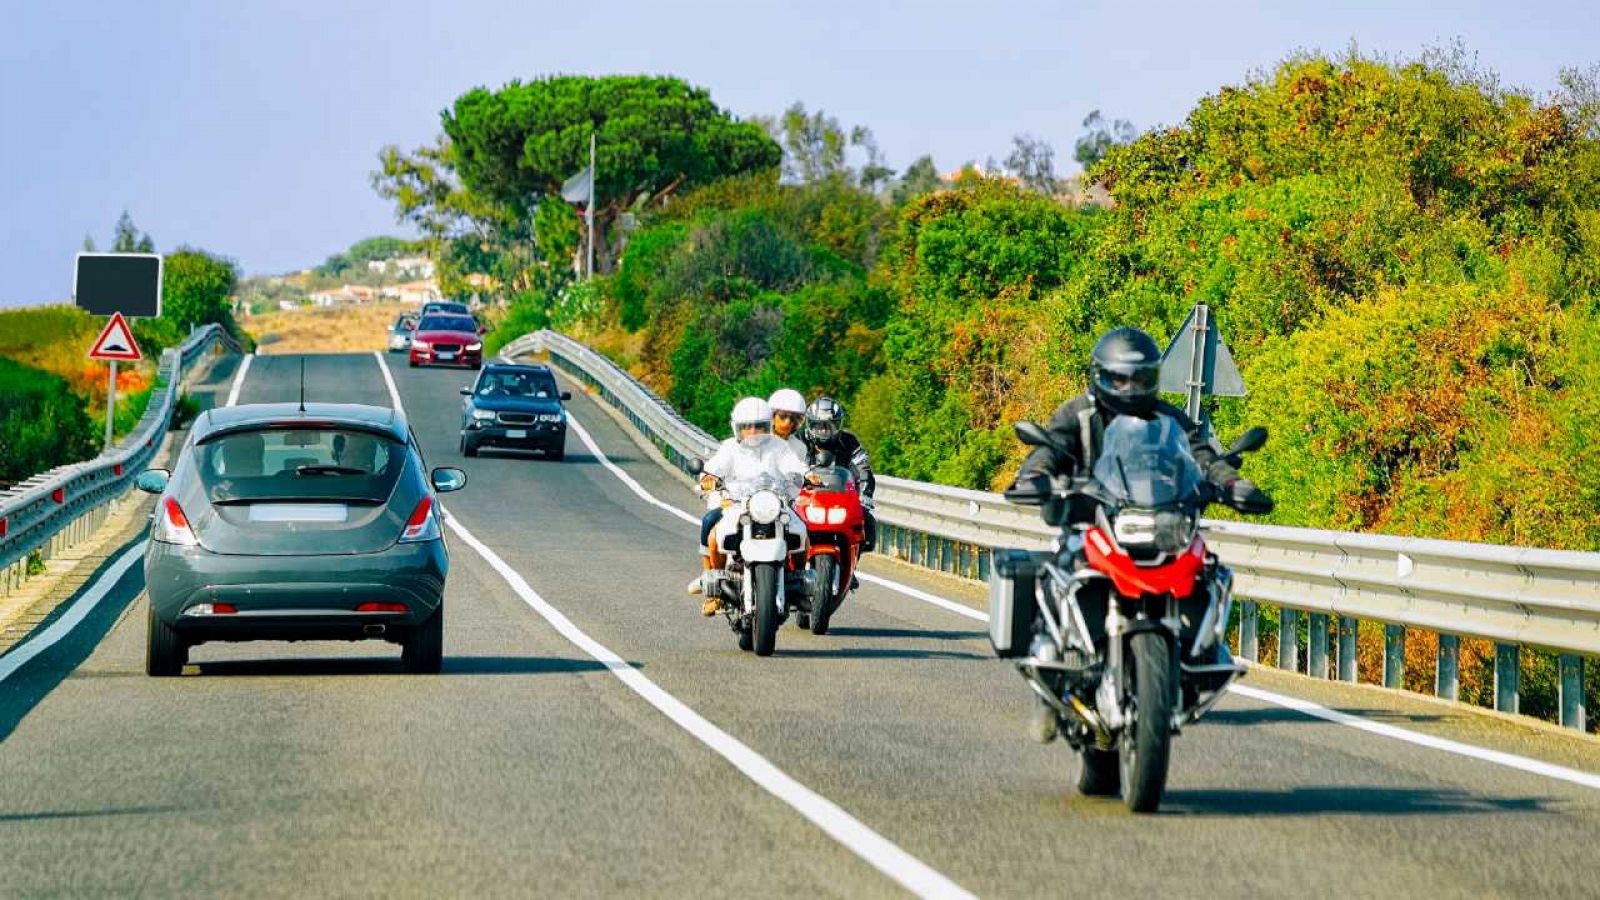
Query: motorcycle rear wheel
point(764, 587)
point(1146, 749)
point(827, 569)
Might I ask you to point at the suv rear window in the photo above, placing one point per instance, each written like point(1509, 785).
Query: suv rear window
point(300, 464)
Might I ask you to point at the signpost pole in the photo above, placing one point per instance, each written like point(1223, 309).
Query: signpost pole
point(1197, 385)
point(111, 403)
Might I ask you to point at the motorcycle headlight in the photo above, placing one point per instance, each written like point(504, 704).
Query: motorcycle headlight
point(1134, 527)
point(816, 515)
point(765, 507)
point(1174, 530)
point(836, 515)
point(483, 415)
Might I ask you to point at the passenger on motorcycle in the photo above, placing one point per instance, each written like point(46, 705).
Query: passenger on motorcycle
point(1124, 378)
point(752, 450)
point(824, 431)
point(788, 414)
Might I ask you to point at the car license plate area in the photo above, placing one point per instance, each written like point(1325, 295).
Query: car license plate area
point(299, 512)
point(549, 417)
point(447, 354)
point(515, 433)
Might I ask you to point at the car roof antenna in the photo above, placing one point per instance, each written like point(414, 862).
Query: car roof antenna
point(302, 384)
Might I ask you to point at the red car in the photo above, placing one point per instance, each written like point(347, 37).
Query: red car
point(447, 340)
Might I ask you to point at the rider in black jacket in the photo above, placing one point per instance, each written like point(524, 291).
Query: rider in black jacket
point(1125, 369)
point(824, 431)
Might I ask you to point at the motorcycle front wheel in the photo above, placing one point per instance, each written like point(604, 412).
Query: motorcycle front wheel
point(764, 586)
point(827, 570)
point(1147, 747)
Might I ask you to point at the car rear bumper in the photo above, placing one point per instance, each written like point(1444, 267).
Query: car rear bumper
point(300, 596)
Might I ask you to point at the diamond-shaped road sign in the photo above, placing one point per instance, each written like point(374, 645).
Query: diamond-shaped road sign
point(116, 341)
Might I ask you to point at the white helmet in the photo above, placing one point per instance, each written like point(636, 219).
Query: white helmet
point(751, 412)
point(787, 400)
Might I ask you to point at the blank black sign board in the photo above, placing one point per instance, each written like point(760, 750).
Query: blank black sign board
point(127, 283)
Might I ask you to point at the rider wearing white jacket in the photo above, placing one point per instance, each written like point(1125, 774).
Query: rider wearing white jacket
point(751, 453)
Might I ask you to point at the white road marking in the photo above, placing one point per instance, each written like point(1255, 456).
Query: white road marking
point(394, 393)
point(636, 487)
point(238, 380)
point(76, 613)
point(1305, 707)
point(876, 850)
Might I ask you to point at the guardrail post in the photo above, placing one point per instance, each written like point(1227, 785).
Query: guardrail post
point(1347, 649)
point(1288, 639)
point(1249, 648)
point(1317, 646)
point(1394, 656)
point(1571, 693)
point(1507, 677)
point(1447, 681)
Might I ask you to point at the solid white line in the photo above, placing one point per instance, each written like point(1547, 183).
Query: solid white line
point(1509, 760)
point(1302, 706)
point(394, 393)
point(238, 381)
point(636, 487)
point(876, 850)
point(949, 605)
point(60, 628)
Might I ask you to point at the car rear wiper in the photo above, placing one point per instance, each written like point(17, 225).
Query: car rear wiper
point(325, 469)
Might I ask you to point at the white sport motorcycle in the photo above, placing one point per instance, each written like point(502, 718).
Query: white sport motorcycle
point(763, 539)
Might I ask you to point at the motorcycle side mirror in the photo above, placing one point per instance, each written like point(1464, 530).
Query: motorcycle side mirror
point(695, 466)
point(1249, 442)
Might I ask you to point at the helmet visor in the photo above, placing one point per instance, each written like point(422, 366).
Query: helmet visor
point(1128, 381)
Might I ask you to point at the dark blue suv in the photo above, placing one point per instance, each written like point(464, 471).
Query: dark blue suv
point(514, 406)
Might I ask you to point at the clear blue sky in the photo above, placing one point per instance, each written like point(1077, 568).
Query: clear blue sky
point(249, 128)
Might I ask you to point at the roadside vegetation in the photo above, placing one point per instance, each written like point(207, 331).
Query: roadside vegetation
point(1404, 256)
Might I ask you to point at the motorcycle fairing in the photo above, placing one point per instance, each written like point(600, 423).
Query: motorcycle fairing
point(1177, 577)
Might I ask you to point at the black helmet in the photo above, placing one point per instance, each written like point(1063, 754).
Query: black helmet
point(824, 420)
point(1125, 371)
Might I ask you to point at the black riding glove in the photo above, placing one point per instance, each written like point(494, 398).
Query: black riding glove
point(1243, 495)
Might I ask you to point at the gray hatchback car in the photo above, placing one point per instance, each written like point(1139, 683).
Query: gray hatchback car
point(289, 523)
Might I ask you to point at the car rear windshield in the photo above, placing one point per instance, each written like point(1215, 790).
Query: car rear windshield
point(447, 323)
point(516, 383)
point(289, 464)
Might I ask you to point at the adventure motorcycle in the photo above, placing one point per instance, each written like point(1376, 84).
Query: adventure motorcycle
point(1121, 628)
point(836, 525)
point(763, 543)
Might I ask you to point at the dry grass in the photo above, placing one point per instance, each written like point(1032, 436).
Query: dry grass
point(342, 329)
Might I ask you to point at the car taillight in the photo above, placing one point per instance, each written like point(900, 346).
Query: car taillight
point(382, 607)
point(172, 526)
point(423, 524)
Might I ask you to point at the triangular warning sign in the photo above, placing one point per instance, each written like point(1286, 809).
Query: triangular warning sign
point(116, 341)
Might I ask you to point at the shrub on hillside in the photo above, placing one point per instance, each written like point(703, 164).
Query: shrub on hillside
point(42, 423)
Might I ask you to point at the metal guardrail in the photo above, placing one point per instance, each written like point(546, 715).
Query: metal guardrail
point(1513, 596)
point(37, 509)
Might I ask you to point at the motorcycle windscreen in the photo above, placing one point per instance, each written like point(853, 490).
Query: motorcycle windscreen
point(1146, 462)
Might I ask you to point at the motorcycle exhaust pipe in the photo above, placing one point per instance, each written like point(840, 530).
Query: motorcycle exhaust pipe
point(1077, 709)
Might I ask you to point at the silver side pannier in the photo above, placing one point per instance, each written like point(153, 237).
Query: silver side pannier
point(1013, 600)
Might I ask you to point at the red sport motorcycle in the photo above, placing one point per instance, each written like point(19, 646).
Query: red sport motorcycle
point(836, 524)
point(1120, 629)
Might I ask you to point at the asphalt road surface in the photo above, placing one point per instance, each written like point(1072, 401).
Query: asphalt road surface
point(592, 734)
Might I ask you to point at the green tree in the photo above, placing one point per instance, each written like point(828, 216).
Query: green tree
point(921, 177)
point(127, 239)
point(1099, 137)
point(195, 288)
point(655, 136)
point(1032, 161)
